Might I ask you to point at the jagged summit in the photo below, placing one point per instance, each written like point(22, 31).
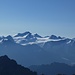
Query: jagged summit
point(10, 67)
point(55, 37)
point(5, 57)
point(29, 36)
point(36, 35)
point(22, 34)
point(10, 38)
point(5, 61)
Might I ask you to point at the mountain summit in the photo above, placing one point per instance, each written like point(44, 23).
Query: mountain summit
point(10, 67)
point(22, 34)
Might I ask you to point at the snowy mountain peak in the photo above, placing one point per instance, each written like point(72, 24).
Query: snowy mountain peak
point(22, 34)
point(55, 37)
point(29, 35)
point(36, 35)
point(8, 39)
point(59, 37)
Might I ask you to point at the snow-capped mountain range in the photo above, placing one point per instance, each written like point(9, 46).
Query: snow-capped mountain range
point(32, 49)
point(29, 38)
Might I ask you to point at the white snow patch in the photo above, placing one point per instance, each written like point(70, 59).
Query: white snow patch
point(65, 59)
point(69, 42)
point(39, 41)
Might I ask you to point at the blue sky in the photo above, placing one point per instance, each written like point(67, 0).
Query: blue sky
point(44, 17)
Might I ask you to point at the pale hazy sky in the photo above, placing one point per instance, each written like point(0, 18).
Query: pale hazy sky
point(44, 17)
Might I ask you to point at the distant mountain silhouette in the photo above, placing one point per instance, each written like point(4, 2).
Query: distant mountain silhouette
point(10, 67)
point(54, 69)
